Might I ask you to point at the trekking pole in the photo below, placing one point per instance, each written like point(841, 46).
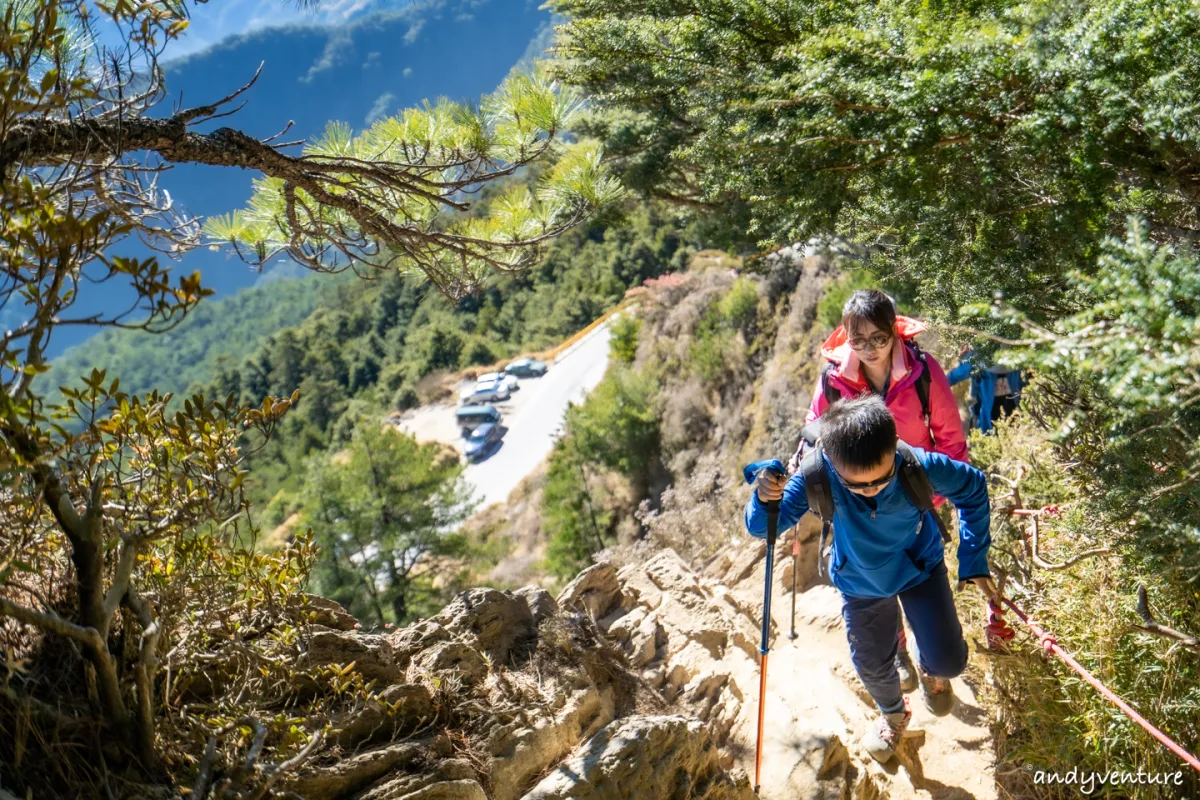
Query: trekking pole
point(750, 473)
point(795, 569)
point(764, 648)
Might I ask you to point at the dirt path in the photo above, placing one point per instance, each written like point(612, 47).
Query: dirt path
point(817, 710)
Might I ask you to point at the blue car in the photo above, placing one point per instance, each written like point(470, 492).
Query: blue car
point(482, 441)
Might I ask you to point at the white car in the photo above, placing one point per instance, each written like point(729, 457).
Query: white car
point(510, 381)
point(492, 392)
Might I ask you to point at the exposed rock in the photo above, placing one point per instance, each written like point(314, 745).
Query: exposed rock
point(624, 626)
point(453, 656)
point(398, 709)
point(492, 621)
point(644, 643)
point(823, 772)
point(670, 574)
point(372, 655)
point(744, 561)
point(448, 779)
point(350, 775)
point(521, 754)
point(409, 641)
point(541, 603)
point(322, 611)
point(593, 592)
point(650, 758)
point(688, 618)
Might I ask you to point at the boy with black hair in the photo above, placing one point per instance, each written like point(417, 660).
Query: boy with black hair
point(884, 549)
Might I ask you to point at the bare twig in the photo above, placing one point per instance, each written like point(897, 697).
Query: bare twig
point(1150, 625)
point(1037, 557)
point(204, 776)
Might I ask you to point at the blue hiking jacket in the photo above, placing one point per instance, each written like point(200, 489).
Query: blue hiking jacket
point(882, 545)
point(983, 387)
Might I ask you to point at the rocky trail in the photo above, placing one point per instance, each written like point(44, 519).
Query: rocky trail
point(638, 682)
point(706, 659)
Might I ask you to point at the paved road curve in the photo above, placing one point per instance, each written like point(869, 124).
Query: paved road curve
point(533, 429)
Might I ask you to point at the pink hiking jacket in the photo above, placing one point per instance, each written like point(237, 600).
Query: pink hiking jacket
point(902, 399)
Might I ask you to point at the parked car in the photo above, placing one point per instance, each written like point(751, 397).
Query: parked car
point(510, 381)
point(471, 417)
point(492, 392)
point(482, 440)
point(527, 368)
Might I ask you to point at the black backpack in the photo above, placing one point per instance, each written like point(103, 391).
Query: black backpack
point(913, 480)
point(833, 394)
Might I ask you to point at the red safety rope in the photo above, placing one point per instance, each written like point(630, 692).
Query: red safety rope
point(1050, 645)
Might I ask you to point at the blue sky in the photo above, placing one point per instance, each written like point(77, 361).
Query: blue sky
point(211, 22)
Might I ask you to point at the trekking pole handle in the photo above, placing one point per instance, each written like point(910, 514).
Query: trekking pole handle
point(751, 472)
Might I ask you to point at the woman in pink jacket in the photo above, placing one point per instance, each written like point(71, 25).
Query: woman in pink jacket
point(873, 351)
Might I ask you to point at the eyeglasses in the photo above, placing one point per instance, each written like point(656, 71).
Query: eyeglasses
point(884, 481)
point(876, 342)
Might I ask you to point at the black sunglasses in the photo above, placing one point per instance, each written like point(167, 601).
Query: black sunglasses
point(884, 481)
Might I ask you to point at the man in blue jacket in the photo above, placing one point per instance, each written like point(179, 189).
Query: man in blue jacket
point(995, 390)
point(885, 549)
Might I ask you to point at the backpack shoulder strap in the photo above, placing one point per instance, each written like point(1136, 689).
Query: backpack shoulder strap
point(916, 485)
point(832, 393)
point(923, 381)
point(816, 484)
point(820, 496)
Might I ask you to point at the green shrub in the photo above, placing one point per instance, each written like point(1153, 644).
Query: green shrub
point(479, 351)
point(574, 518)
point(617, 426)
point(711, 353)
point(740, 305)
point(623, 341)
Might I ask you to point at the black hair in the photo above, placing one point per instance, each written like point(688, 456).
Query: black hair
point(869, 305)
point(859, 433)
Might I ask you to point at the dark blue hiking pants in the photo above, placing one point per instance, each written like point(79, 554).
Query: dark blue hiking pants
point(871, 629)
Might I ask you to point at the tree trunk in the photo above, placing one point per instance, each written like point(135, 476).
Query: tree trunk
point(88, 557)
point(400, 605)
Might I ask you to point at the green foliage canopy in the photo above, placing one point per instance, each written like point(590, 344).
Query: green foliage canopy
point(981, 147)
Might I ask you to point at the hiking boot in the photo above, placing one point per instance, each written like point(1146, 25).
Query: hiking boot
point(937, 693)
point(908, 673)
point(883, 737)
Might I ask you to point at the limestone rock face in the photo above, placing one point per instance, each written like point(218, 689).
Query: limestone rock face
point(491, 621)
point(372, 655)
point(650, 758)
point(520, 754)
point(353, 773)
point(593, 592)
point(540, 602)
point(555, 700)
point(397, 710)
point(411, 640)
point(447, 779)
point(454, 657)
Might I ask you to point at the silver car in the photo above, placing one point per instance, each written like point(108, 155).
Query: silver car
point(492, 392)
point(510, 381)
